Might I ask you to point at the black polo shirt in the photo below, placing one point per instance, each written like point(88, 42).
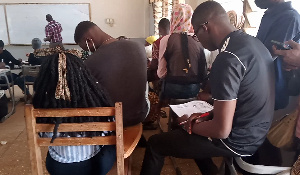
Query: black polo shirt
point(244, 71)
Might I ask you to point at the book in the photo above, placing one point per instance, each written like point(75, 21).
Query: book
point(191, 107)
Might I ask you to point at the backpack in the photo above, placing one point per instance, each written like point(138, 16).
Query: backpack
point(3, 107)
point(192, 70)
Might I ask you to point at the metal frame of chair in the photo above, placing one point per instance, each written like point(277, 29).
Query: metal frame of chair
point(32, 71)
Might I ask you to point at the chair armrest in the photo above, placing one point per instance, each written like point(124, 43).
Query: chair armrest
point(132, 136)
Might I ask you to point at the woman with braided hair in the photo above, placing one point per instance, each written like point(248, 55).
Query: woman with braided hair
point(64, 82)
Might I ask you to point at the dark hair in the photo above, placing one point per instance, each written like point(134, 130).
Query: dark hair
point(81, 29)
point(1, 44)
point(84, 90)
point(207, 10)
point(164, 23)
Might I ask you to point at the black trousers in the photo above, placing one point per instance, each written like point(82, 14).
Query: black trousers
point(100, 164)
point(178, 143)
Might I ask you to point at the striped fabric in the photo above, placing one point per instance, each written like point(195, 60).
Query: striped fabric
point(71, 154)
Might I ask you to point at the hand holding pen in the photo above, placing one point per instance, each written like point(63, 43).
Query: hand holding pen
point(194, 118)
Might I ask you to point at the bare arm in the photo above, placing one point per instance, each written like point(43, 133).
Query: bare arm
point(221, 124)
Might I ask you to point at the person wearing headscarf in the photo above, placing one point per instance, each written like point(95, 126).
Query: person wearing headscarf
point(181, 62)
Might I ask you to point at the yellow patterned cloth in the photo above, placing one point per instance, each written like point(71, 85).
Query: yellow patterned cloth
point(296, 167)
point(181, 19)
point(62, 88)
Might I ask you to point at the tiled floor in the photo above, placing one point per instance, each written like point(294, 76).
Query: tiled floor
point(14, 155)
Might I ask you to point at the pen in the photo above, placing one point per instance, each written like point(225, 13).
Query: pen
point(200, 116)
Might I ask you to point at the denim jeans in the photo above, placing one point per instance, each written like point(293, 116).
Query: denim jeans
point(20, 82)
point(100, 164)
point(179, 91)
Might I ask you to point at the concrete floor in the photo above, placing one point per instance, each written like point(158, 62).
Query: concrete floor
point(14, 155)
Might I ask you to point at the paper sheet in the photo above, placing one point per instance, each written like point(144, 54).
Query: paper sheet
point(189, 108)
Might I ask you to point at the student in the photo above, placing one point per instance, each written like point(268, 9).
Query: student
point(164, 29)
point(291, 60)
point(118, 65)
point(149, 44)
point(242, 114)
point(7, 58)
point(65, 82)
point(53, 32)
point(180, 56)
point(32, 59)
point(281, 22)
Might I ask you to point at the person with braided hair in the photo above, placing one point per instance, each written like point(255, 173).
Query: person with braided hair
point(65, 82)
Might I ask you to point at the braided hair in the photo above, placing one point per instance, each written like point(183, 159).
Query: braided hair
point(84, 92)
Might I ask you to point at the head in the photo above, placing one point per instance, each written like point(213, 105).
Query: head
point(49, 18)
point(164, 27)
point(1, 46)
point(211, 24)
point(265, 4)
point(78, 82)
point(150, 40)
point(36, 43)
point(72, 87)
point(89, 36)
point(181, 19)
point(122, 38)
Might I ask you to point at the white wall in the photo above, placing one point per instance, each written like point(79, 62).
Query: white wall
point(131, 16)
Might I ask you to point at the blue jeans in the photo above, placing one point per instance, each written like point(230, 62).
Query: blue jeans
point(100, 164)
point(179, 91)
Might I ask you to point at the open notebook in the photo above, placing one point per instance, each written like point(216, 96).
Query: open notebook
point(189, 108)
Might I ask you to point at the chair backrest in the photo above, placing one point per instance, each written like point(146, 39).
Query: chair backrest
point(35, 142)
point(31, 70)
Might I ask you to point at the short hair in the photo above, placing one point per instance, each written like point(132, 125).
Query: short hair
point(36, 43)
point(164, 23)
point(81, 29)
point(1, 44)
point(206, 11)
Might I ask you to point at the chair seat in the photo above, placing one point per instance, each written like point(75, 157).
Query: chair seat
point(132, 136)
point(260, 169)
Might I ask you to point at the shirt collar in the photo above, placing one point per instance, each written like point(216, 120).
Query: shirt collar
point(279, 7)
point(225, 41)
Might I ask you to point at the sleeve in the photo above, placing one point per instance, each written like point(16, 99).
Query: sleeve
point(48, 31)
point(155, 50)
point(12, 59)
point(33, 60)
point(283, 30)
point(225, 78)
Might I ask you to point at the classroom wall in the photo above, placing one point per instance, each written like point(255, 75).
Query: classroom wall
point(131, 16)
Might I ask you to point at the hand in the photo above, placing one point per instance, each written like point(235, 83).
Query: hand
point(20, 59)
point(27, 54)
point(188, 122)
point(2, 65)
point(291, 57)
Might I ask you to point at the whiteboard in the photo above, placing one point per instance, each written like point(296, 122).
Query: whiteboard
point(28, 21)
point(3, 28)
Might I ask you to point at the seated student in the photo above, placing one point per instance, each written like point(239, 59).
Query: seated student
point(65, 82)
point(181, 62)
point(242, 86)
point(148, 45)
point(119, 66)
point(164, 29)
point(32, 60)
point(7, 58)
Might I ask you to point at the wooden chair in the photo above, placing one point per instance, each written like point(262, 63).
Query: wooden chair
point(125, 140)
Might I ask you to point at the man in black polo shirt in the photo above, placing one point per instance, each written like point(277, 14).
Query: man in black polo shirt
point(242, 86)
